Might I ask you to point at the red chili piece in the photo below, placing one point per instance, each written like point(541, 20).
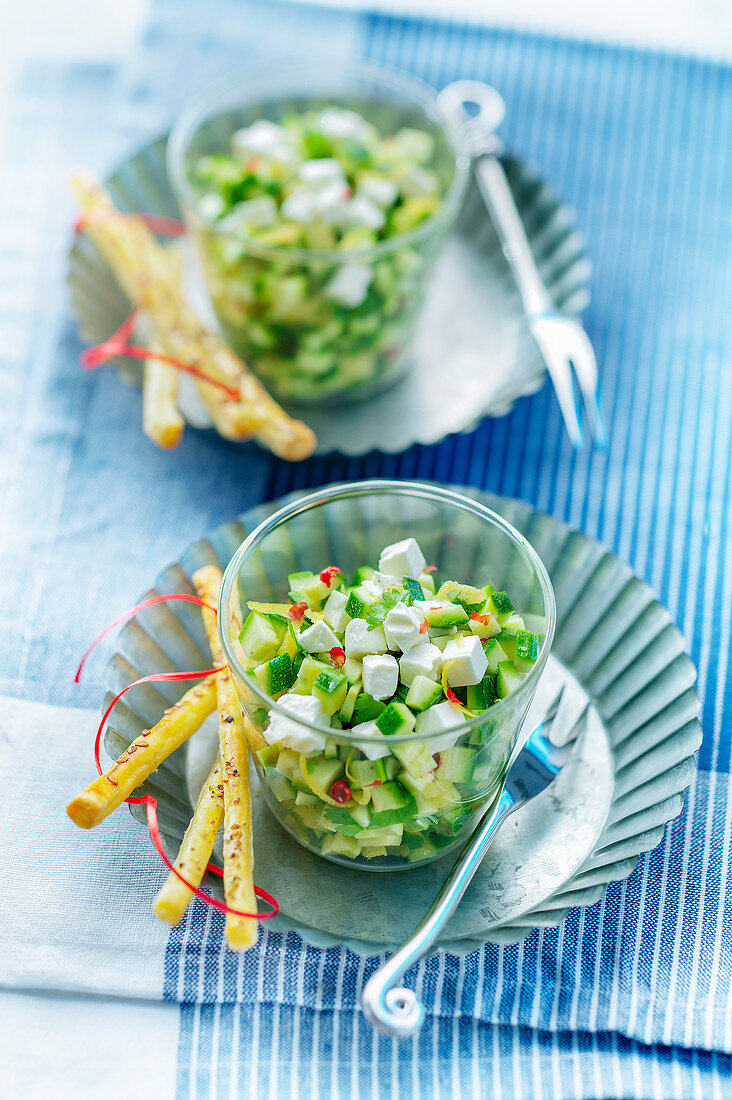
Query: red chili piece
point(486, 620)
point(338, 656)
point(452, 697)
point(436, 757)
point(424, 627)
point(340, 791)
point(430, 569)
point(297, 611)
point(327, 575)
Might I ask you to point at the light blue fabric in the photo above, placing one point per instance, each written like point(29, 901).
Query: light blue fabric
point(637, 142)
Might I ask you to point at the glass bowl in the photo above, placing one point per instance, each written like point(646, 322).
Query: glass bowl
point(272, 301)
point(348, 526)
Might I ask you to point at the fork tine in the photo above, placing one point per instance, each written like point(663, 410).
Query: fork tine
point(580, 724)
point(561, 376)
point(582, 358)
point(552, 709)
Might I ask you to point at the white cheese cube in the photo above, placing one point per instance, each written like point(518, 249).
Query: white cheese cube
point(349, 286)
point(289, 731)
point(424, 659)
point(382, 581)
point(442, 716)
point(404, 559)
point(465, 661)
point(360, 641)
point(380, 190)
point(336, 122)
point(362, 211)
point(402, 627)
point(260, 211)
point(380, 675)
point(318, 638)
point(317, 172)
point(333, 196)
point(334, 611)
point(300, 206)
point(373, 751)
point(266, 138)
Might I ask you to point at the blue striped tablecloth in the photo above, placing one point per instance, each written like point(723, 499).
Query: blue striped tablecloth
point(632, 997)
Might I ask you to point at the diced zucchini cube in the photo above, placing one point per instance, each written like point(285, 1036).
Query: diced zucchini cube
point(508, 678)
point(276, 676)
point(500, 603)
point(527, 646)
point(396, 719)
point(330, 687)
point(261, 636)
point(423, 693)
point(354, 606)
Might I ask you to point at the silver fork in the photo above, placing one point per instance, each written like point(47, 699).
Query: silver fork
point(477, 110)
point(534, 763)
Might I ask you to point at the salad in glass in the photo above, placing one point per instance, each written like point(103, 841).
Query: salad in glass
point(317, 219)
point(398, 696)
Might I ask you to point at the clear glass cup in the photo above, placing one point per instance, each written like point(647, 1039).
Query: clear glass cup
point(348, 525)
point(270, 300)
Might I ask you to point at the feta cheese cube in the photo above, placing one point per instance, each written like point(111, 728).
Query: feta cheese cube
point(465, 661)
point(402, 627)
point(424, 659)
point(317, 172)
point(266, 138)
point(372, 750)
point(260, 211)
point(336, 122)
point(318, 638)
point(382, 581)
point(404, 559)
point(442, 716)
point(334, 611)
point(379, 189)
point(380, 675)
point(362, 211)
point(333, 196)
point(289, 730)
point(300, 206)
point(360, 641)
point(349, 286)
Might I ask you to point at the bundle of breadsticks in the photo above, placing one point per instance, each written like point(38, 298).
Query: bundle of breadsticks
point(225, 796)
point(149, 274)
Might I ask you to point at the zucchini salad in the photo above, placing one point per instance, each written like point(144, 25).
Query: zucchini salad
point(295, 212)
point(394, 654)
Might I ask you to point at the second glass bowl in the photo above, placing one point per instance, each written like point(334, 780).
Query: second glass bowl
point(271, 301)
point(348, 526)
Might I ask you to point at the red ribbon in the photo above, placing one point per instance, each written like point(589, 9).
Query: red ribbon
point(118, 344)
point(164, 227)
point(148, 800)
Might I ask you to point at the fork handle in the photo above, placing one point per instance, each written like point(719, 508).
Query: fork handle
point(398, 1011)
point(516, 248)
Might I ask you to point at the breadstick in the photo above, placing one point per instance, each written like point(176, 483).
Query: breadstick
point(139, 264)
point(195, 849)
point(143, 756)
point(238, 842)
point(161, 421)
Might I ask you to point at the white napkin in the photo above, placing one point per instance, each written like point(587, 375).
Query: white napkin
point(74, 905)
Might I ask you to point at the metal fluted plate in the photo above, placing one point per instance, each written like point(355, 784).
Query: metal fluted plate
point(617, 649)
point(471, 330)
